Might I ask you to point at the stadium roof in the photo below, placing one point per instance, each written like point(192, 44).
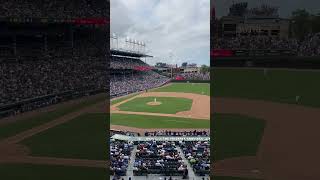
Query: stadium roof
point(128, 53)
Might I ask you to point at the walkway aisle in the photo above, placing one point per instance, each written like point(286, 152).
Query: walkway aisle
point(191, 174)
point(131, 162)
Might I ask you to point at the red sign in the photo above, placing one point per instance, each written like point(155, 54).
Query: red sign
point(142, 68)
point(221, 53)
point(94, 21)
point(179, 78)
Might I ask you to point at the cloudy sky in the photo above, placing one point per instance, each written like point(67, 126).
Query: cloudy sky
point(285, 6)
point(175, 31)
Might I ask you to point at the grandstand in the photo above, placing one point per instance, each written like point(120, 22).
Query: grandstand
point(129, 73)
point(258, 37)
point(50, 54)
point(186, 154)
point(155, 154)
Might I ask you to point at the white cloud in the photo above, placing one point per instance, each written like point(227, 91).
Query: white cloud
point(177, 26)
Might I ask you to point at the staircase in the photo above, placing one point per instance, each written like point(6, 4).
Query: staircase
point(191, 173)
point(131, 162)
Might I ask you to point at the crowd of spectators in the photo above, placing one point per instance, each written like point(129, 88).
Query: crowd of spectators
point(163, 158)
point(126, 63)
point(35, 74)
point(309, 46)
point(196, 76)
point(53, 9)
point(40, 77)
point(134, 82)
point(176, 133)
point(159, 158)
point(198, 155)
point(120, 152)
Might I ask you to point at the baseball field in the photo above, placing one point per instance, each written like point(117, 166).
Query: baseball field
point(63, 141)
point(265, 120)
point(260, 127)
point(68, 140)
point(178, 106)
point(234, 135)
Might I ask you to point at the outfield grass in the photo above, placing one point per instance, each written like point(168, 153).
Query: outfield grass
point(236, 135)
point(197, 88)
point(83, 138)
point(44, 117)
point(278, 85)
point(169, 105)
point(50, 172)
point(144, 121)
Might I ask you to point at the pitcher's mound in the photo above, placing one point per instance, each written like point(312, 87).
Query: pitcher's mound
point(154, 103)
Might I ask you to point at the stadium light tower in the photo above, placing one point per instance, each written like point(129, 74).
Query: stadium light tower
point(135, 45)
point(116, 37)
point(144, 47)
point(112, 39)
point(137, 49)
point(170, 57)
point(131, 45)
point(127, 43)
point(139, 46)
point(115, 41)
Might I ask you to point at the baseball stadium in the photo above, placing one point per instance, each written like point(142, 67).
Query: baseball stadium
point(53, 89)
point(159, 125)
point(265, 96)
point(160, 91)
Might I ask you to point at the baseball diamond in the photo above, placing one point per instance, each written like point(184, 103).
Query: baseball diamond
point(184, 108)
point(199, 109)
point(268, 111)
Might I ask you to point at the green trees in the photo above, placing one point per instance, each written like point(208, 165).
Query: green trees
point(204, 69)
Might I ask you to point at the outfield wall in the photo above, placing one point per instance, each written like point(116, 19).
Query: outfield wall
point(294, 62)
point(191, 81)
